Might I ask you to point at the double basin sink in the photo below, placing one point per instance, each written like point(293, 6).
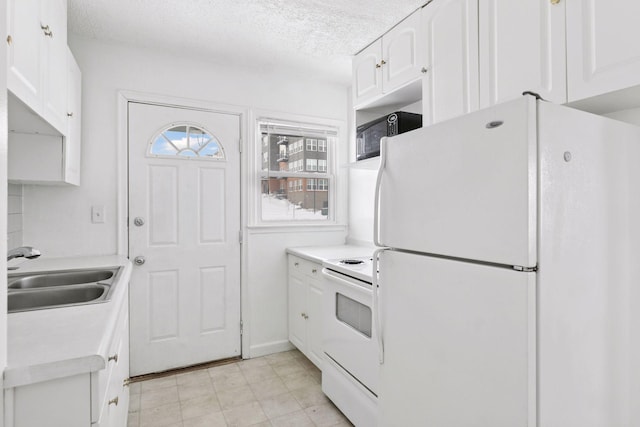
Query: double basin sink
point(52, 289)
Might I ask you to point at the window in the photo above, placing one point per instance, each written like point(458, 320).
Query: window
point(312, 144)
point(311, 184)
point(295, 184)
point(186, 141)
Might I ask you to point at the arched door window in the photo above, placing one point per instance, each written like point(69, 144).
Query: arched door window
point(186, 141)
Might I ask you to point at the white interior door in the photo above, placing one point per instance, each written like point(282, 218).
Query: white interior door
point(184, 220)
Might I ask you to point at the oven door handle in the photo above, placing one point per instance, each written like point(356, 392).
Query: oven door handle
point(377, 317)
point(332, 276)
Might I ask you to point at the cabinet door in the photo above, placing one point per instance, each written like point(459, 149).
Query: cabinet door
point(72, 144)
point(297, 311)
point(314, 323)
point(402, 53)
point(25, 51)
point(450, 87)
point(367, 73)
point(55, 65)
point(522, 48)
point(603, 53)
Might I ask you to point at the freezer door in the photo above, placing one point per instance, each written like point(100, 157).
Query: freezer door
point(464, 188)
point(459, 343)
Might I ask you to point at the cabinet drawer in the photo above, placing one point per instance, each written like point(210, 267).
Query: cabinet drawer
point(102, 382)
point(300, 266)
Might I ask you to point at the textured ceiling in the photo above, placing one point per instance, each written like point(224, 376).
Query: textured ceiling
point(314, 37)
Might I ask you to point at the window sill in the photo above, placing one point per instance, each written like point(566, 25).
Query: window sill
point(294, 228)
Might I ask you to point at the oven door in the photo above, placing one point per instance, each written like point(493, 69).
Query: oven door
point(349, 332)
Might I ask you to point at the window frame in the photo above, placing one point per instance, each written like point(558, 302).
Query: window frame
point(332, 141)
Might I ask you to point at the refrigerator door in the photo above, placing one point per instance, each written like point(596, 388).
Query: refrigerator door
point(459, 343)
point(464, 188)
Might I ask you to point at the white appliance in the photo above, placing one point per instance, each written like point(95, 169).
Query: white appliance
point(510, 292)
point(350, 369)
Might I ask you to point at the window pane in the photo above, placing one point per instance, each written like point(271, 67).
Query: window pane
point(294, 150)
point(186, 141)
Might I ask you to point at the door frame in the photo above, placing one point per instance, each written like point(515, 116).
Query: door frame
point(122, 191)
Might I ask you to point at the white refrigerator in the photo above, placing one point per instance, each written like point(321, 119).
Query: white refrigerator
point(509, 286)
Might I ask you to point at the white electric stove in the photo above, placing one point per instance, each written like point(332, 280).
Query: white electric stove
point(350, 370)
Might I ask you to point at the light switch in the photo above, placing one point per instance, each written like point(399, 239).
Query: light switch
point(97, 214)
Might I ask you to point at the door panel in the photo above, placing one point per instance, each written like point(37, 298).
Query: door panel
point(522, 48)
point(459, 343)
point(602, 55)
point(185, 298)
point(450, 86)
point(470, 191)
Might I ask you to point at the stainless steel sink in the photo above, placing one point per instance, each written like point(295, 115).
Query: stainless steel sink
point(62, 278)
point(55, 297)
point(52, 289)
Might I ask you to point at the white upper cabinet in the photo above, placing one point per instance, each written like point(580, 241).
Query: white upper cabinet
point(24, 51)
point(522, 48)
point(450, 87)
point(55, 65)
point(37, 58)
point(367, 73)
point(71, 157)
point(402, 53)
point(603, 53)
point(390, 62)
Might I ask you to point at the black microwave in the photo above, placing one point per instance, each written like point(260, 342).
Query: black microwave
point(369, 134)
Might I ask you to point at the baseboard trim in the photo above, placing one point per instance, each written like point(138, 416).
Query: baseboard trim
point(270, 348)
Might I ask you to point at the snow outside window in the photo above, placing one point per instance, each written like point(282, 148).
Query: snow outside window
point(296, 175)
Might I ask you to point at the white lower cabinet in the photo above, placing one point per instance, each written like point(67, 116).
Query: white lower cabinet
point(305, 308)
point(96, 399)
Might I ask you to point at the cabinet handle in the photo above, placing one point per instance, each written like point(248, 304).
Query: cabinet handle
point(47, 30)
point(114, 358)
point(9, 39)
point(424, 70)
point(70, 114)
point(304, 316)
point(383, 62)
point(114, 401)
point(296, 264)
point(555, 1)
point(314, 271)
point(378, 65)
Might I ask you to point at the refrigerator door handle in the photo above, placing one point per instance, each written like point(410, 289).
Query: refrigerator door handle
point(376, 203)
point(377, 320)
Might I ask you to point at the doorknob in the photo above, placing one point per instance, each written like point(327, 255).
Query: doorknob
point(138, 221)
point(139, 260)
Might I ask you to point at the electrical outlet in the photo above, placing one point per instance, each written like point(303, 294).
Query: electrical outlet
point(97, 214)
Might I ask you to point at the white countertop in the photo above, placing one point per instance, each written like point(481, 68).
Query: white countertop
point(60, 342)
point(320, 253)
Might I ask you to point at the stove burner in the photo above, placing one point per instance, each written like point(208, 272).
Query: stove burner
point(351, 261)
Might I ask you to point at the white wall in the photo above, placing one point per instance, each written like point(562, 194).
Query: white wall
point(57, 220)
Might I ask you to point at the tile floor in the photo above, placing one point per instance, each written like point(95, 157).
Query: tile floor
point(277, 390)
